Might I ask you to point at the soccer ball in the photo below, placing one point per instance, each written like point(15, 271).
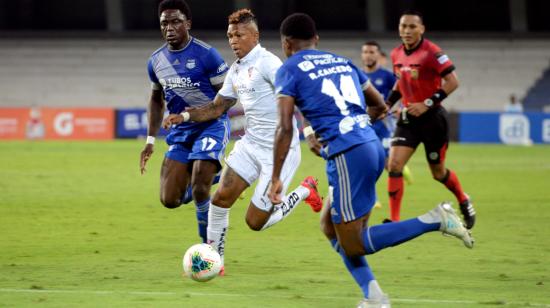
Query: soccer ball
point(201, 262)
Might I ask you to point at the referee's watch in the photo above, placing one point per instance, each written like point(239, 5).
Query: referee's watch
point(428, 102)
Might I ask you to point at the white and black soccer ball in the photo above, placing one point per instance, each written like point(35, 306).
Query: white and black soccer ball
point(201, 262)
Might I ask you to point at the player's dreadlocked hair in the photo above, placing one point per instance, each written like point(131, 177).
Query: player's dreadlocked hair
point(175, 5)
point(242, 16)
point(299, 26)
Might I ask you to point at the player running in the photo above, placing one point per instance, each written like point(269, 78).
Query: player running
point(425, 78)
point(251, 81)
point(185, 72)
point(330, 92)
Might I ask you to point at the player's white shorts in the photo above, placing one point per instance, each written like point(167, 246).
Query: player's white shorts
point(253, 162)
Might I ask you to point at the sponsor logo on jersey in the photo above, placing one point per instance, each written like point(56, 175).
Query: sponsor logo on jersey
point(191, 64)
point(177, 62)
point(243, 89)
point(306, 66)
point(379, 81)
point(221, 68)
point(178, 82)
point(250, 70)
point(434, 155)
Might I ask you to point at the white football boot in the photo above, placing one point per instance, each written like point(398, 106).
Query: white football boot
point(451, 224)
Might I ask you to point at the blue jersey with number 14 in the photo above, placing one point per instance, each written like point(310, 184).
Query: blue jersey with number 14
point(328, 90)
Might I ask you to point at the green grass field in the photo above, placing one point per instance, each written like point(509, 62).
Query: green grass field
point(81, 228)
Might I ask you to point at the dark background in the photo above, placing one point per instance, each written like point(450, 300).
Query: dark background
point(138, 15)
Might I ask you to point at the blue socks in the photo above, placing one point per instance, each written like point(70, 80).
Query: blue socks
point(378, 237)
point(202, 217)
point(358, 268)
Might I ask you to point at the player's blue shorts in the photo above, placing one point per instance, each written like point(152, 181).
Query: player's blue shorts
point(384, 134)
point(352, 177)
point(202, 143)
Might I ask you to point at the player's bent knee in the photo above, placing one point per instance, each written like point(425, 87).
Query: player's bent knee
point(353, 250)
point(170, 203)
point(221, 199)
point(395, 166)
point(254, 225)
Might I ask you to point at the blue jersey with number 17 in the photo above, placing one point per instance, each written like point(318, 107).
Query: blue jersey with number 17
point(328, 90)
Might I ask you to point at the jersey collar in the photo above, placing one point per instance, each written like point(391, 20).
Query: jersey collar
point(251, 54)
point(184, 47)
point(409, 52)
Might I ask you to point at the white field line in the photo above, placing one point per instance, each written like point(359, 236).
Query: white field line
point(402, 300)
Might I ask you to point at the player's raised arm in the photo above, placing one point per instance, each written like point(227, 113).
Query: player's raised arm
point(210, 111)
point(154, 116)
point(283, 138)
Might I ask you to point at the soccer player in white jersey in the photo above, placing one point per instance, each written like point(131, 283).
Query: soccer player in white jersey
point(251, 80)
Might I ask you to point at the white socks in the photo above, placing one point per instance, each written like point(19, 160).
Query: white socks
point(218, 221)
point(289, 203)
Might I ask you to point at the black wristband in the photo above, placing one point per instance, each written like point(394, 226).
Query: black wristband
point(438, 96)
point(393, 98)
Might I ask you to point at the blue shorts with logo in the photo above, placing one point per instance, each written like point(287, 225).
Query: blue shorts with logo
point(352, 177)
point(205, 142)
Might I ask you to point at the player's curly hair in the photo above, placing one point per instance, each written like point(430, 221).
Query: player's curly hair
point(175, 5)
point(299, 26)
point(242, 16)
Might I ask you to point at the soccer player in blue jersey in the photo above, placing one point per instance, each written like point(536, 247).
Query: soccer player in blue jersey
point(333, 94)
point(185, 72)
point(383, 80)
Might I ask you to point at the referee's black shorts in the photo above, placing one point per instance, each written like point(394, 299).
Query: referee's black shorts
point(431, 129)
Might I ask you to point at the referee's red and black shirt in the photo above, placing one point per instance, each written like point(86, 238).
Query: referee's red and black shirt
point(419, 70)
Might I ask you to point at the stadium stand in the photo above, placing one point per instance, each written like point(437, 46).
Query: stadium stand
point(538, 97)
point(112, 72)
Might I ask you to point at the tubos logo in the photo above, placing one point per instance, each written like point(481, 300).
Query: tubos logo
point(63, 123)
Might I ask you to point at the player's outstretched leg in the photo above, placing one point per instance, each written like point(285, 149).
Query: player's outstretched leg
point(307, 191)
point(442, 218)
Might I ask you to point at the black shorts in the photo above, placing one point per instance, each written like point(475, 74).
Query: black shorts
point(431, 128)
